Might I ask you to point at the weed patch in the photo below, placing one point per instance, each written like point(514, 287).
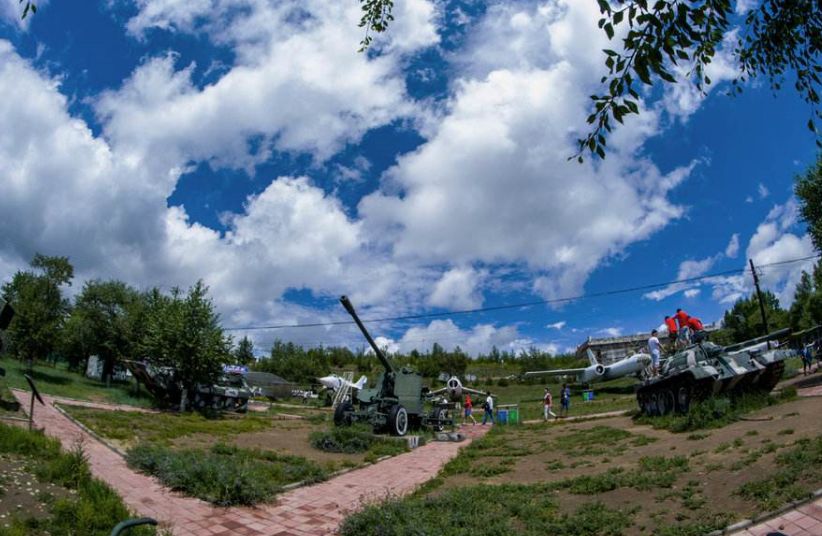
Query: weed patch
point(506, 509)
point(224, 475)
point(799, 469)
point(653, 472)
point(356, 439)
point(92, 508)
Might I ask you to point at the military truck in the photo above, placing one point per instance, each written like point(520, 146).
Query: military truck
point(706, 369)
point(398, 401)
point(229, 393)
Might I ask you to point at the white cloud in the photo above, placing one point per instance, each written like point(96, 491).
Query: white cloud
point(556, 325)
point(611, 332)
point(479, 338)
point(762, 191)
point(749, 199)
point(691, 293)
point(493, 185)
point(732, 249)
point(457, 289)
point(773, 242)
point(687, 270)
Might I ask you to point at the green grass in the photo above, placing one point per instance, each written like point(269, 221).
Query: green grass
point(92, 510)
point(163, 428)
point(799, 469)
point(653, 472)
point(596, 441)
point(507, 509)
point(224, 475)
point(716, 412)
point(58, 381)
point(355, 439)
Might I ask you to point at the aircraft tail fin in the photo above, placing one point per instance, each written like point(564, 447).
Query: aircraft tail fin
point(591, 358)
point(361, 382)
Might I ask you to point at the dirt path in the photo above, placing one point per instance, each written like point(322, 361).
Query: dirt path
point(310, 510)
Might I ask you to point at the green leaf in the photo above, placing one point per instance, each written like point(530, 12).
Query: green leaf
point(609, 30)
point(618, 17)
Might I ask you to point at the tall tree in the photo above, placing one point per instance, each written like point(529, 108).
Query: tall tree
point(184, 332)
point(808, 189)
point(806, 310)
point(40, 308)
point(104, 314)
point(744, 320)
point(244, 353)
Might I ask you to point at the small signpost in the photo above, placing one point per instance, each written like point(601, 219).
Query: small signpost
point(34, 394)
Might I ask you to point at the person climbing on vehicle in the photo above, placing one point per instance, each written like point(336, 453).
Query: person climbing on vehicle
point(468, 405)
point(489, 409)
point(684, 334)
point(655, 350)
point(672, 329)
point(697, 329)
point(547, 405)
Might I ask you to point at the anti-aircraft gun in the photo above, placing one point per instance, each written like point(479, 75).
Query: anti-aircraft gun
point(398, 399)
point(706, 369)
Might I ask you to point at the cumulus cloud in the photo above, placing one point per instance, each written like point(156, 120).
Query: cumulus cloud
point(492, 184)
point(474, 340)
point(556, 325)
point(687, 270)
point(732, 249)
point(457, 289)
point(773, 243)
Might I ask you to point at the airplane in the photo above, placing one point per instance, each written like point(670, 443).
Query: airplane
point(598, 372)
point(334, 382)
point(454, 389)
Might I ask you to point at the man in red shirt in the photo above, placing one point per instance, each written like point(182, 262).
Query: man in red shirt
point(681, 317)
point(697, 329)
point(672, 330)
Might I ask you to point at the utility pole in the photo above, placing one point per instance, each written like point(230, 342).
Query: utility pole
point(761, 302)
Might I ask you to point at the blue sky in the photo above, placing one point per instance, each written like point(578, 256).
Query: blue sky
point(248, 144)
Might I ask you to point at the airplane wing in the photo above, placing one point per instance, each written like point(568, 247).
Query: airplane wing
point(473, 391)
point(437, 392)
point(557, 372)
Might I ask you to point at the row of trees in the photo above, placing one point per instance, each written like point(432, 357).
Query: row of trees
point(115, 321)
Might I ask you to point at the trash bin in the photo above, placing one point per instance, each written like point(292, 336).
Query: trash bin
point(502, 416)
point(513, 416)
point(587, 395)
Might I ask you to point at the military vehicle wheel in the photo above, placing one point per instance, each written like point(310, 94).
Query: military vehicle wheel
point(398, 421)
point(340, 414)
point(654, 404)
point(439, 414)
point(683, 399)
point(230, 403)
point(243, 407)
point(669, 402)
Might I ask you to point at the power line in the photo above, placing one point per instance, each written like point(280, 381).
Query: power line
point(601, 294)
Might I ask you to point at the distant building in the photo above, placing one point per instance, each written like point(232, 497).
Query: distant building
point(610, 349)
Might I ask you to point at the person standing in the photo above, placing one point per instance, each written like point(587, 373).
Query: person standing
point(564, 400)
point(684, 338)
point(547, 405)
point(489, 409)
point(807, 359)
point(654, 348)
point(469, 410)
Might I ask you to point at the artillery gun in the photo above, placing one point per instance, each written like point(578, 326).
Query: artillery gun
point(398, 400)
point(231, 392)
point(706, 369)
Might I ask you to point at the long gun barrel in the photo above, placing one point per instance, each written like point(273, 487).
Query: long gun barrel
point(769, 337)
point(381, 356)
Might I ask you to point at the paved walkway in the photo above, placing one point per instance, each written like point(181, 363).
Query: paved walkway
point(307, 511)
point(803, 521)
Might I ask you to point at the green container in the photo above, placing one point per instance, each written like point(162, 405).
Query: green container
point(513, 416)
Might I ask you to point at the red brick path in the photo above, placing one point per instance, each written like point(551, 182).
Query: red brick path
point(804, 521)
point(310, 510)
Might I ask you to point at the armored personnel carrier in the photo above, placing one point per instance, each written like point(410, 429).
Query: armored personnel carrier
point(397, 401)
point(230, 392)
point(706, 369)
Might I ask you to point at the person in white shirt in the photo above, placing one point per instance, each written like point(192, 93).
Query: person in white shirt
point(489, 409)
point(655, 348)
point(548, 404)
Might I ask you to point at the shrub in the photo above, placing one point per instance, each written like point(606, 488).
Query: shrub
point(225, 475)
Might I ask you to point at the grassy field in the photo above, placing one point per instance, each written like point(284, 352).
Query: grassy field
point(49, 491)
point(58, 381)
point(613, 476)
point(234, 459)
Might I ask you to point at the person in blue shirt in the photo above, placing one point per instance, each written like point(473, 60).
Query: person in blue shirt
point(564, 400)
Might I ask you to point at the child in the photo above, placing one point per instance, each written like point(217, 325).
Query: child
point(565, 400)
point(469, 409)
point(548, 402)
